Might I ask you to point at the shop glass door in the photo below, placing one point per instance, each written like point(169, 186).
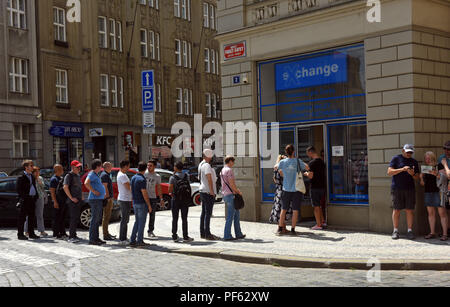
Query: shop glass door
point(348, 167)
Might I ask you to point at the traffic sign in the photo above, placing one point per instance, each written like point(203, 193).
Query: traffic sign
point(148, 79)
point(148, 101)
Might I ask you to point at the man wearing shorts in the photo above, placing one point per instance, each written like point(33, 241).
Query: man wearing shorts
point(404, 170)
point(318, 185)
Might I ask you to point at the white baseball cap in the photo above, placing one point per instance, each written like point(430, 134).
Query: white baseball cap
point(208, 153)
point(408, 148)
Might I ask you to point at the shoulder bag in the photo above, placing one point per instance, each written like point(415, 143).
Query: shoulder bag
point(299, 183)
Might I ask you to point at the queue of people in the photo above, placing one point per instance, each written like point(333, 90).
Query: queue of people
point(143, 193)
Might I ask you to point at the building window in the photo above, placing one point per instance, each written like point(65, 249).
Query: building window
point(102, 40)
point(179, 101)
point(217, 62)
point(152, 44)
point(207, 66)
point(17, 13)
point(143, 2)
point(154, 4)
point(187, 106)
point(114, 98)
point(144, 52)
point(112, 34)
point(59, 24)
point(213, 61)
point(121, 92)
point(260, 13)
point(104, 91)
point(191, 102)
point(61, 86)
point(212, 16)
point(158, 98)
point(208, 105)
point(190, 55)
point(119, 35)
point(185, 54)
point(213, 106)
point(206, 15)
point(176, 7)
point(18, 76)
point(21, 141)
point(178, 52)
point(158, 52)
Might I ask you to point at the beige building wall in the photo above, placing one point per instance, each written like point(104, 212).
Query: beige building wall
point(407, 79)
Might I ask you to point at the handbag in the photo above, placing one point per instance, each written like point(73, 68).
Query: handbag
point(299, 183)
point(239, 202)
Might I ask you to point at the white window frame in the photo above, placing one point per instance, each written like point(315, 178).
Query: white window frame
point(112, 34)
point(217, 63)
point(190, 55)
point(187, 106)
point(120, 92)
point(212, 16)
point(208, 105)
point(158, 50)
point(57, 26)
point(104, 91)
point(19, 82)
point(61, 86)
point(119, 35)
point(144, 46)
point(22, 140)
point(114, 96)
point(17, 16)
point(213, 61)
point(205, 15)
point(176, 7)
point(185, 54)
point(102, 34)
point(214, 106)
point(191, 102)
point(158, 98)
point(207, 62)
point(178, 60)
point(179, 101)
point(152, 44)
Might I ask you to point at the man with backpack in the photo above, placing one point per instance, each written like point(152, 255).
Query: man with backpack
point(59, 199)
point(74, 193)
point(180, 190)
point(153, 185)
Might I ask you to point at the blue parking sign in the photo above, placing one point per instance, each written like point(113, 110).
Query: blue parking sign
point(147, 78)
point(147, 100)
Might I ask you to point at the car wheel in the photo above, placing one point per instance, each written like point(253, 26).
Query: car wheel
point(196, 199)
point(85, 217)
point(167, 202)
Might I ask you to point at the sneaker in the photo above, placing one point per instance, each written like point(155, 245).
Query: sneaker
point(33, 236)
point(188, 240)
point(151, 234)
point(73, 240)
point(175, 238)
point(281, 231)
point(22, 237)
point(44, 234)
point(109, 238)
point(395, 235)
point(316, 228)
point(142, 244)
point(410, 235)
point(95, 243)
point(133, 244)
point(324, 226)
point(241, 237)
point(124, 242)
point(212, 237)
point(100, 242)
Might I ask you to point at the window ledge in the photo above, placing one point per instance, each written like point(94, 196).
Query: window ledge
point(61, 44)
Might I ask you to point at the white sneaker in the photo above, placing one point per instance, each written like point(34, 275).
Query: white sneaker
point(124, 243)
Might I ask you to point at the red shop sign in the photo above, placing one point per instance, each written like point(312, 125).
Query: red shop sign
point(237, 50)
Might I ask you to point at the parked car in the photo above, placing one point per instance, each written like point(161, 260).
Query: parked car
point(3, 174)
point(9, 199)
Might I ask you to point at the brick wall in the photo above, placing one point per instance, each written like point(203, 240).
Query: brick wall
point(408, 101)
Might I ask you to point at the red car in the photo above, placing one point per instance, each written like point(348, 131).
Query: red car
point(86, 210)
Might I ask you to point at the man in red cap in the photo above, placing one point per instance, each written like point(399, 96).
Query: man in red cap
point(73, 189)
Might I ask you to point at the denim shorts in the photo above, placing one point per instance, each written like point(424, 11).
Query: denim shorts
point(432, 199)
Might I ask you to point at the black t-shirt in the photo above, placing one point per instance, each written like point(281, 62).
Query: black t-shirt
point(106, 178)
point(403, 180)
point(430, 183)
point(317, 166)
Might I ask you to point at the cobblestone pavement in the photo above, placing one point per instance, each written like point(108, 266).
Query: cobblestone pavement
point(49, 262)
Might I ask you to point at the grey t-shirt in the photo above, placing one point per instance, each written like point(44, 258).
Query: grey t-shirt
point(74, 182)
point(152, 181)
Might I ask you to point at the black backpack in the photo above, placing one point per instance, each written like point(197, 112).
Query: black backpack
point(61, 195)
point(183, 189)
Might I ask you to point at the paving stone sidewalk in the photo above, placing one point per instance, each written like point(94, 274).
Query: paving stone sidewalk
point(261, 241)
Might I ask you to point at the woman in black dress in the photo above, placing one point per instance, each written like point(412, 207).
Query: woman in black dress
point(276, 209)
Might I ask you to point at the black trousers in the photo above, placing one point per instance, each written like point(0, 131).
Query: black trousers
point(59, 222)
point(178, 206)
point(27, 210)
point(74, 212)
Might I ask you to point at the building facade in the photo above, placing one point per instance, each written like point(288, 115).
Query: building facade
point(91, 86)
point(20, 114)
point(355, 89)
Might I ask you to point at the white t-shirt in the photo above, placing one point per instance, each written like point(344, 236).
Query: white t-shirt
point(124, 193)
point(203, 170)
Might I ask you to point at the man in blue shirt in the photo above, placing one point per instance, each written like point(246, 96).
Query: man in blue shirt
point(97, 194)
point(289, 168)
point(141, 206)
point(404, 170)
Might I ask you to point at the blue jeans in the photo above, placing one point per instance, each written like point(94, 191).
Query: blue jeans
point(140, 214)
point(205, 217)
point(96, 218)
point(233, 215)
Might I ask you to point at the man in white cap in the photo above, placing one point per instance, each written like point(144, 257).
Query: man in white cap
point(404, 169)
point(208, 192)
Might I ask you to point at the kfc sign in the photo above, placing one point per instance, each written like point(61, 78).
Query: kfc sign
point(162, 140)
point(233, 51)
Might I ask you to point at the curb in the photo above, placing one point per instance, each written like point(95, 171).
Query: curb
point(316, 263)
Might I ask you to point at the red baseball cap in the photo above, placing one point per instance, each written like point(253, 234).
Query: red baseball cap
point(76, 163)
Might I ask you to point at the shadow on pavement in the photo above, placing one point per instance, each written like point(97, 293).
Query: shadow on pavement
point(4, 239)
point(319, 237)
point(257, 241)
